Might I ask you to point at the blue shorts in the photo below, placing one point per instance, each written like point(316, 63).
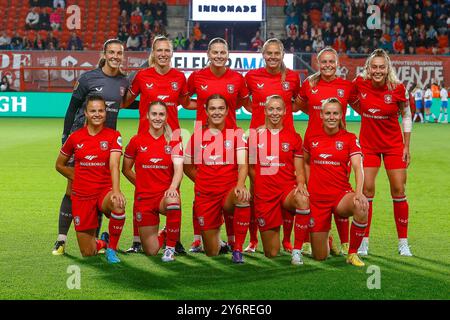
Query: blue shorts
point(428, 104)
point(444, 104)
point(418, 104)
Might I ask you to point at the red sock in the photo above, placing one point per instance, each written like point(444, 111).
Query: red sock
point(401, 216)
point(241, 222)
point(288, 224)
point(135, 227)
point(116, 222)
point(342, 226)
point(369, 218)
point(196, 225)
point(357, 232)
point(100, 244)
point(301, 227)
point(173, 224)
point(229, 224)
point(253, 228)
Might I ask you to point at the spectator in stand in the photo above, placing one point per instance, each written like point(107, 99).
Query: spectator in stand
point(148, 17)
point(158, 28)
point(197, 31)
point(133, 42)
point(5, 41)
point(318, 44)
point(432, 36)
point(137, 6)
point(35, 3)
point(123, 20)
point(27, 44)
point(385, 44)
point(125, 5)
point(179, 43)
point(147, 34)
point(304, 29)
point(60, 3)
point(39, 43)
point(399, 46)
point(16, 42)
point(55, 20)
point(44, 20)
point(161, 11)
point(338, 30)
point(327, 34)
point(149, 5)
point(75, 42)
point(305, 42)
point(410, 47)
point(202, 44)
point(339, 45)
point(292, 18)
point(292, 44)
point(315, 32)
point(191, 42)
point(123, 34)
point(327, 12)
point(32, 20)
point(136, 21)
point(51, 42)
point(256, 42)
point(292, 30)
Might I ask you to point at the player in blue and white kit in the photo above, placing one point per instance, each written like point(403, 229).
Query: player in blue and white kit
point(444, 101)
point(418, 98)
point(428, 98)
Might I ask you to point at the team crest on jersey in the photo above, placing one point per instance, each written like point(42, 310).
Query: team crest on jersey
point(76, 220)
point(201, 221)
point(104, 145)
point(388, 98)
point(285, 146)
point(138, 216)
point(340, 93)
point(168, 149)
point(286, 86)
point(230, 88)
point(122, 91)
point(312, 223)
point(227, 144)
point(261, 222)
point(339, 145)
point(174, 86)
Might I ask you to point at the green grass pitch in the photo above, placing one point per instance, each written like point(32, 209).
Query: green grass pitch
point(31, 191)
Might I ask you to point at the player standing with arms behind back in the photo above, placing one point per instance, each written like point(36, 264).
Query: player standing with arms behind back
point(158, 82)
point(381, 98)
point(109, 82)
point(216, 78)
point(316, 88)
point(272, 79)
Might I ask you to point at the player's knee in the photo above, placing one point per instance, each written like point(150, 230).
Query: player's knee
point(398, 191)
point(369, 191)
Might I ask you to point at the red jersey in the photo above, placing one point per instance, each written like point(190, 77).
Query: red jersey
point(91, 154)
point(272, 153)
point(215, 157)
point(230, 85)
point(380, 129)
point(262, 84)
point(341, 89)
point(153, 162)
point(154, 86)
point(330, 163)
